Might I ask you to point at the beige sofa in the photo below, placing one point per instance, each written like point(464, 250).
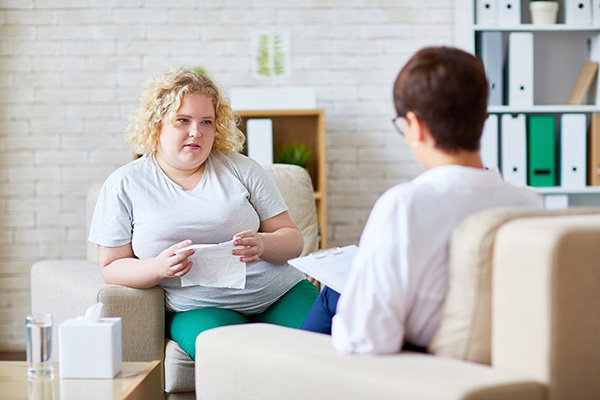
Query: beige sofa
point(66, 288)
point(521, 321)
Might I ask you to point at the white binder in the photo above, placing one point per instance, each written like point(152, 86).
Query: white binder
point(489, 143)
point(492, 56)
point(259, 134)
point(578, 12)
point(573, 136)
point(556, 201)
point(513, 149)
point(520, 69)
point(486, 12)
point(596, 12)
point(509, 12)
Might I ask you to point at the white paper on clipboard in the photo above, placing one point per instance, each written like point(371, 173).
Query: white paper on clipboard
point(330, 267)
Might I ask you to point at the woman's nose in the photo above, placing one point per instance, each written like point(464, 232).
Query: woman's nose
point(194, 131)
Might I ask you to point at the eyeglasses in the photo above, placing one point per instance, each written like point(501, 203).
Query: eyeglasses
point(399, 123)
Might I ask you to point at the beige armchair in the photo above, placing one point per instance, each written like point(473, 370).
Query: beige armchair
point(521, 321)
point(66, 288)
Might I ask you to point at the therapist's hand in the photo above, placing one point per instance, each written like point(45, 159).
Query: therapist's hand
point(253, 244)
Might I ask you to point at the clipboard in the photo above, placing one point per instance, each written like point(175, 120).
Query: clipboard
point(330, 267)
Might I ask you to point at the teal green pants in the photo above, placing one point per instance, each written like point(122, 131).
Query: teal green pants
point(290, 311)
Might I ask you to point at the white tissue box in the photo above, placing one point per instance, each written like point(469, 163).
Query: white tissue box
point(90, 349)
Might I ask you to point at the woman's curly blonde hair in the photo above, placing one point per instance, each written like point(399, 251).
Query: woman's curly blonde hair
point(161, 97)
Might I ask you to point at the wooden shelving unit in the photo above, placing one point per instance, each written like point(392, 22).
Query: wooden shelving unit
point(305, 127)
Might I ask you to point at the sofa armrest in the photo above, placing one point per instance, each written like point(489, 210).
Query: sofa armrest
point(66, 288)
point(546, 308)
point(260, 361)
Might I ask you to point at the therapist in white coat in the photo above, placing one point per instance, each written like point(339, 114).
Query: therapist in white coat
point(397, 286)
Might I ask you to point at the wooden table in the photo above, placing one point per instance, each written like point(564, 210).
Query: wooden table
point(137, 380)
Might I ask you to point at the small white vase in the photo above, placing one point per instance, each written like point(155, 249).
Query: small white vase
point(543, 12)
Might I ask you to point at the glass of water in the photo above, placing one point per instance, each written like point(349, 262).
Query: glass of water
point(39, 344)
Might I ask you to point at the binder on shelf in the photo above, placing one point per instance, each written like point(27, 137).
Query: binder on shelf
point(541, 151)
point(512, 149)
point(596, 12)
point(520, 69)
point(509, 12)
point(492, 57)
point(486, 12)
point(594, 151)
point(573, 151)
point(584, 82)
point(259, 134)
point(578, 12)
point(489, 143)
point(556, 201)
point(594, 52)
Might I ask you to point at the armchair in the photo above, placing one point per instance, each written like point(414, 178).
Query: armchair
point(528, 328)
point(66, 288)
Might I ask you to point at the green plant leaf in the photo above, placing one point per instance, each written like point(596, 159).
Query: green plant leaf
point(295, 153)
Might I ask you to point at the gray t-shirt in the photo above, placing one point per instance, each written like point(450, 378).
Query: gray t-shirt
point(141, 205)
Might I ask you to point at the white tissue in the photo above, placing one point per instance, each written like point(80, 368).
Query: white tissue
point(215, 266)
point(92, 314)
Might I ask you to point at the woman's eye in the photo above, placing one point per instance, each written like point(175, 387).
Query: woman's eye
point(182, 120)
point(207, 122)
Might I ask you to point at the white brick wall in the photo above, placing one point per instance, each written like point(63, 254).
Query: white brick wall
point(70, 72)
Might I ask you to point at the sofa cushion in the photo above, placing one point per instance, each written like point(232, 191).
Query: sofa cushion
point(261, 361)
point(179, 369)
point(464, 330)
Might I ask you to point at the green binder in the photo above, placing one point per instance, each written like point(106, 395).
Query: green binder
point(541, 151)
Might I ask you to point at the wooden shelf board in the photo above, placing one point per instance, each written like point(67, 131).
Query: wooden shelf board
point(278, 113)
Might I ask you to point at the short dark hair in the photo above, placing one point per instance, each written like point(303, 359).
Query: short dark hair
point(447, 90)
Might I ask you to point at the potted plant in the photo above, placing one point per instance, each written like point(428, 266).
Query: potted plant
point(294, 153)
point(543, 12)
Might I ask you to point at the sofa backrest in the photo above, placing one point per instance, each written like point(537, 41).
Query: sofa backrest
point(465, 326)
point(92, 198)
point(293, 182)
point(295, 185)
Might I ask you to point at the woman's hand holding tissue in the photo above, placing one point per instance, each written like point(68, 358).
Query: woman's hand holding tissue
point(119, 266)
point(252, 243)
point(174, 265)
point(277, 240)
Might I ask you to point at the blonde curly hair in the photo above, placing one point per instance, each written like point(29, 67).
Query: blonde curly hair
point(161, 97)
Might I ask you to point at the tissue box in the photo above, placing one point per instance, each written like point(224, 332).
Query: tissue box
point(90, 349)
